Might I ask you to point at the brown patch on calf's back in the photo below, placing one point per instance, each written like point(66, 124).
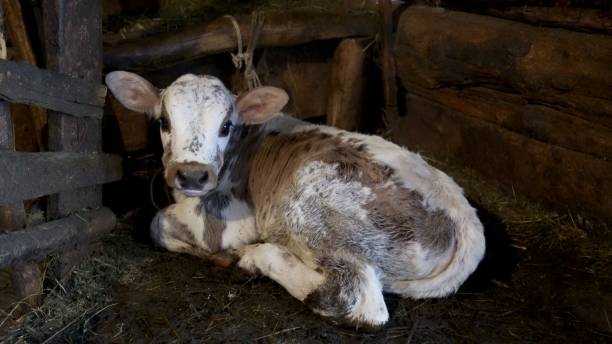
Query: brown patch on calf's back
point(278, 158)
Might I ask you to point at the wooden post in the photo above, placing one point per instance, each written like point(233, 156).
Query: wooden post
point(19, 38)
point(27, 278)
point(346, 85)
point(78, 55)
point(385, 10)
point(73, 46)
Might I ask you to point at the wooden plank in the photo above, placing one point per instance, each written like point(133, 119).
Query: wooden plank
point(27, 278)
point(57, 236)
point(29, 175)
point(513, 112)
point(347, 82)
point(564, 69)
point(280, 29)
point(79, 56)
point(544, 172)
point(23, 83)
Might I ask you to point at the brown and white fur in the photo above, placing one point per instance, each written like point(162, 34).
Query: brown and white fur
point(335, 217)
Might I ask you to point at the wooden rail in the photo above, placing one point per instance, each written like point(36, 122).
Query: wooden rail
point(280, 29)
point(25, 176)
point(64, 234)
point(23, 83)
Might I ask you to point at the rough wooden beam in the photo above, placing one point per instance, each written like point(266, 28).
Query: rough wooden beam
point(28, 175)
point(579, 19)
point(56, 236)
point(514, 113)
point(544, 172)
point(280, 30)
point(564, 69)
point(345, 100)
point(23, 83)
point(79, 56)
point(467, 4)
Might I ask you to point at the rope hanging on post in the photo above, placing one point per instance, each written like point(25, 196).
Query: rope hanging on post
point(245, 58)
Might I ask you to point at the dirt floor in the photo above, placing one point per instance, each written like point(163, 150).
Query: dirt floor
point(546, 278)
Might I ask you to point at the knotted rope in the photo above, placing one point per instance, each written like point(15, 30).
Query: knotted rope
point(245, 58)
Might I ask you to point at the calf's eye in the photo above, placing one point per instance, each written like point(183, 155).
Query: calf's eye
point(225, 128)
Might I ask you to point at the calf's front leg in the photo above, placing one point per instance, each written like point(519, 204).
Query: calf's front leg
point(345, 290)
point(282, 266)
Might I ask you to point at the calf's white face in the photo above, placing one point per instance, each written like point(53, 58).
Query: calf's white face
point(197, 115)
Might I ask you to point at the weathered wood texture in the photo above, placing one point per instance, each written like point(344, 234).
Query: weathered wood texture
point(387, 61)
point(28, 175)
point(280, 29)
point(554, 67)
point(27, 277)
point(301, 71)
point(23, 83)
point(529, 107)
point(549, 173)
point(579, 19)
point(20, 40)
point(54, 237)
point(464, 4)
point(514, 113)
point(346, 85)
point(78, 55)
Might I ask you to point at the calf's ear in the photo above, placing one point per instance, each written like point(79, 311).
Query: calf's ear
point(135, 92)
point(261, 104)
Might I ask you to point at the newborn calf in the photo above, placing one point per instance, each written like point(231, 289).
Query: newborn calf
point(335, 217)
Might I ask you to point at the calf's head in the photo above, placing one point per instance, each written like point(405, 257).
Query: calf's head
point(197, 116)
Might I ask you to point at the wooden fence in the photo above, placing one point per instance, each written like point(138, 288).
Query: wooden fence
point(72, 172)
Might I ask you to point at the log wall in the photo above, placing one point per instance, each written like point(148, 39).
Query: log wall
point(525, 105)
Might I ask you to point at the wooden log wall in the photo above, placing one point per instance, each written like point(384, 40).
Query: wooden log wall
point(525, 105)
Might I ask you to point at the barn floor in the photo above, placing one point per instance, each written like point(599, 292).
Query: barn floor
point(546, 278)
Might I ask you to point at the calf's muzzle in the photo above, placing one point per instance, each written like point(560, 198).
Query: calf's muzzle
point(191, 178)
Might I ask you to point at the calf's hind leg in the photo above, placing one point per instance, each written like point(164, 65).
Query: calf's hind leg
point(345, 290)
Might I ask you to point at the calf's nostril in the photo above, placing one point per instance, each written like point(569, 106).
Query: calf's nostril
point(204, 178)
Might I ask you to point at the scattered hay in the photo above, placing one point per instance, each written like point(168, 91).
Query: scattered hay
point(70, 309)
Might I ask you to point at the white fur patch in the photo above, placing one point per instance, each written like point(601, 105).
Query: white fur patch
point(185, 213)
point(370, 307)
point(240, 225)
point(317, 183)
point(277, 263)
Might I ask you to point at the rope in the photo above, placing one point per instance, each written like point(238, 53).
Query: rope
point(245, 58)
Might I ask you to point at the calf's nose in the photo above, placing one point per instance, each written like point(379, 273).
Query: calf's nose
point(191, 179)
